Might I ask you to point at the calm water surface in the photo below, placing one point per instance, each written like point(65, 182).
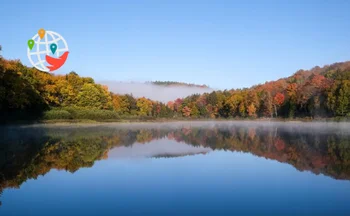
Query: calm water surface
point(201, 168)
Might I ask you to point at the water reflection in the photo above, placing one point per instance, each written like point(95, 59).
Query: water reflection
point(28, 152)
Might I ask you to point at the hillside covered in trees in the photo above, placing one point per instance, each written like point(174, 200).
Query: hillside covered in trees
point(319, 92)
point(29, 94)
point(26, 93)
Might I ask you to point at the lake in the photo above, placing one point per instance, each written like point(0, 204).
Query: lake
point(176, 168)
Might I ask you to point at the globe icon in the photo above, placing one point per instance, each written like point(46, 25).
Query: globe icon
point(41, 48)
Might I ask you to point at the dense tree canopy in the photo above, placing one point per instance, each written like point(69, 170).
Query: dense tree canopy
point(319, 92)
point(26, 92)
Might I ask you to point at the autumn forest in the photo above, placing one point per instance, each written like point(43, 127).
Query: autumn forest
point(28, 94)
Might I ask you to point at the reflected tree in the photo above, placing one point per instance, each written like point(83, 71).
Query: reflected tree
point(26, 153)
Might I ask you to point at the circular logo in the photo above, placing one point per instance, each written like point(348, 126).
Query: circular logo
point(47, 51)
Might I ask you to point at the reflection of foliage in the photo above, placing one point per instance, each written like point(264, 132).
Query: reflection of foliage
point(27, 153)
point(144, 136)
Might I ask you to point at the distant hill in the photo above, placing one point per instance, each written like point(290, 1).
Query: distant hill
point(160, 91)
point(172, 83)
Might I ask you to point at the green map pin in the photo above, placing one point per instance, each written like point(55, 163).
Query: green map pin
point(53, 48)
point(30, 44)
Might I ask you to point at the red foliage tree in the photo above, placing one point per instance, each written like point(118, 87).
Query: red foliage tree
point(177, 104)
point(278, 99)
point(186, 111)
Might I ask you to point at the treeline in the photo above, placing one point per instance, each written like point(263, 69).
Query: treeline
point(26, 93)
point(320, 92)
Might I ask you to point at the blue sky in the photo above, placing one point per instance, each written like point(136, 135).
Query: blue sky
point(224, 44)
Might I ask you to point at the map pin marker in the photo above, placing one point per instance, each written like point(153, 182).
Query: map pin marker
point(53, 48)
point(30, 44)
point(41, 33)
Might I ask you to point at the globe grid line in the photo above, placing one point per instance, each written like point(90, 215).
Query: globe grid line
point(55, 40)
point(39, 56)
point(43, 52)
point(39, 62)
point(46, 43)
point(51, 41)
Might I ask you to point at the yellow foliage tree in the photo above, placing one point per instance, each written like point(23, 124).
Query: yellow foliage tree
point(144, 106)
